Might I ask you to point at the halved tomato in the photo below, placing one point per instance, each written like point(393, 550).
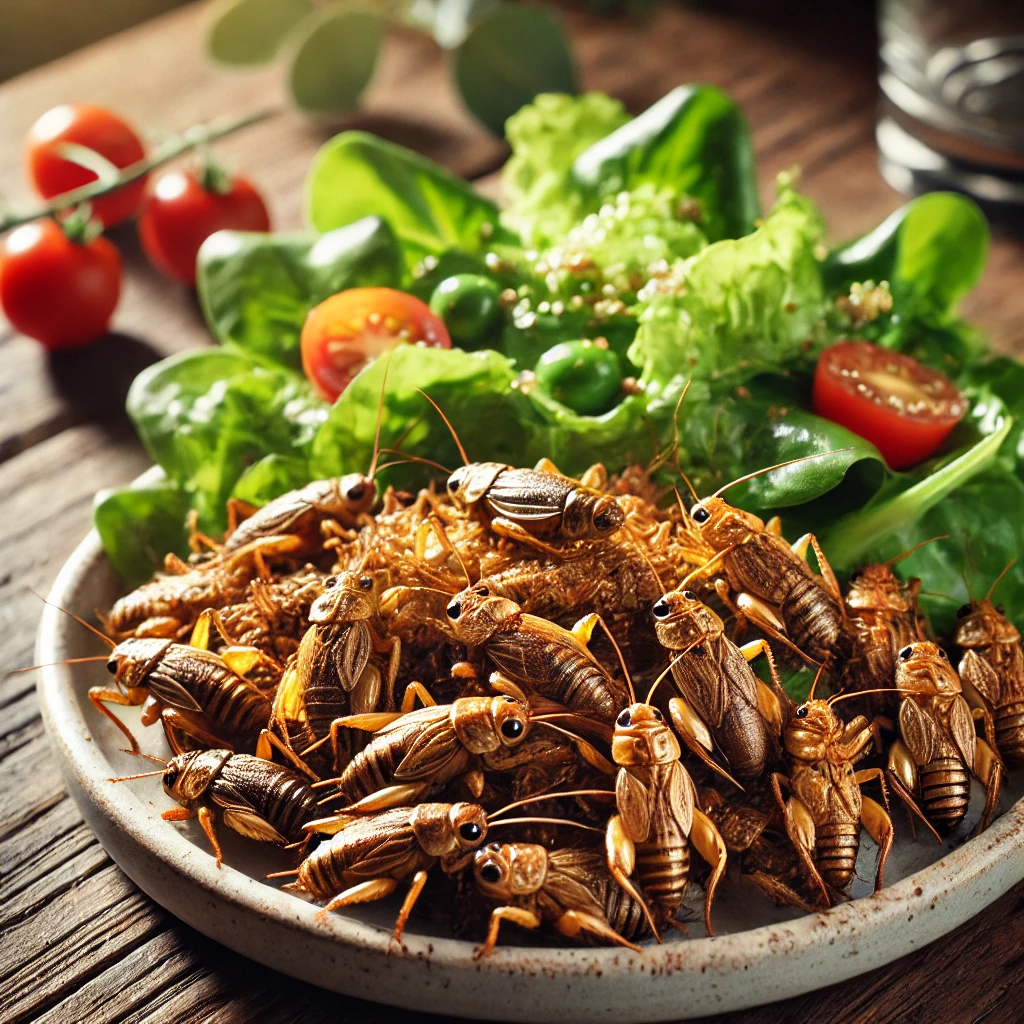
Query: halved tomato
point(904, 409)
point(352, 328)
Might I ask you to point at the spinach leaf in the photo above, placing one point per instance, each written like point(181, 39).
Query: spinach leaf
point(256, 289)
point(932, 252)
point(430, 210)
point(206, 416)
point(980, 531)
point(907, 496)
point(695, 141)
point(139, 525)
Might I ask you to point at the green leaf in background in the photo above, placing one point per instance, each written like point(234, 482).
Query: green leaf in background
point(546, 136)
point(271, 477)
point(430, 210)
point(695, 141)
point(245, 32)
point(206, 416)
point(256, 289)
point(334, 58)
point(139, 525)
point(932, 252)
point(907, 496)
point(512, 53)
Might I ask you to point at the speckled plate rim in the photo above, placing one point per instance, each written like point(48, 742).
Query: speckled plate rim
point(681, 979)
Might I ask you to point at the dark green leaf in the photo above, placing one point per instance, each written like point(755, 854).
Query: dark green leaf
point(431, 211)
point(247, 32)
point(694, 141)
point(334, 60)
point(256, 289)
point(932, 252)
point(139, 525)
point(511, 54)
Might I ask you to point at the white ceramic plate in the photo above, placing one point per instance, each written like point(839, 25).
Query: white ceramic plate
point(759, 954)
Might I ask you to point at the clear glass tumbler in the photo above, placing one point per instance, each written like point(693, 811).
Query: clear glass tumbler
point(952, 115)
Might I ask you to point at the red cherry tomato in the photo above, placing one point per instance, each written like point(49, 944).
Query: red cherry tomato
point(352, 328)
point(97, 129)
point(179, 213)
point(904, 409)
point(60, 292)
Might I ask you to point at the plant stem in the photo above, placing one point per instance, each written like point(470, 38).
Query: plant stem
point(197, 135)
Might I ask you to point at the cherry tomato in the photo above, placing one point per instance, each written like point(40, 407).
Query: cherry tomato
point(181, 211)
point(94, 128)
point(904, 409)
point(352, 328)
point(60, 292)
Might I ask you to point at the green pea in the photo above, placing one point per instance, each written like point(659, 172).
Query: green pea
point(582, 376)
point(469, 305)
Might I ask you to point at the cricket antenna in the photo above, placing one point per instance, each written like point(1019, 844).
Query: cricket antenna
point(545, 821)
point(447, 423)
point(407, 458)
point(817, 676)
point(92, 629)
point(549, 796)
point(622, 660)
point(998, 579)
point(51, 664)
point(916, 547)
point(836, 698)
point(668, 668)
point(144, 775)
point(778, 465)
point(380, 418)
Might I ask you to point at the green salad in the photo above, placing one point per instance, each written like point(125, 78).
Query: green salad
point(631, 256)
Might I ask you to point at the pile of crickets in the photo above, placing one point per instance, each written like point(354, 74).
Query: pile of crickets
point(523, 682)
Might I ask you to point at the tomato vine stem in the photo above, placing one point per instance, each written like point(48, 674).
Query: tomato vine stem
point(191, 138)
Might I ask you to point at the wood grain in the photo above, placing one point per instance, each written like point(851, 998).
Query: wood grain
point(78, 942)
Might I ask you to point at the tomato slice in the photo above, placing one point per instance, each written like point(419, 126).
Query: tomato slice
point(354, 327)
point(904, 409)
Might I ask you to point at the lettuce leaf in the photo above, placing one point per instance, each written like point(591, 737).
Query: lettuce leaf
point(738, 307)
point(546, 136)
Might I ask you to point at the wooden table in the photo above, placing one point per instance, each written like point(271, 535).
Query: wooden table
point(78, 941)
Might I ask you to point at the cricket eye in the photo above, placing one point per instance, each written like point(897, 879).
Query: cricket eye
point(801, 712)
point(454, 610)
point(512, 729)
point(700, 514)
point(471, 831)
point(1000, 609)
point(661, 608)
point(624, 719)
point(356, 492)
point(366, 582)
point(112, 665)
point(658, 717)
point(943, 655)
point(906, 653)
point(490, 872)
point(170, 777)
point(963, 611)
point(689, 595)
